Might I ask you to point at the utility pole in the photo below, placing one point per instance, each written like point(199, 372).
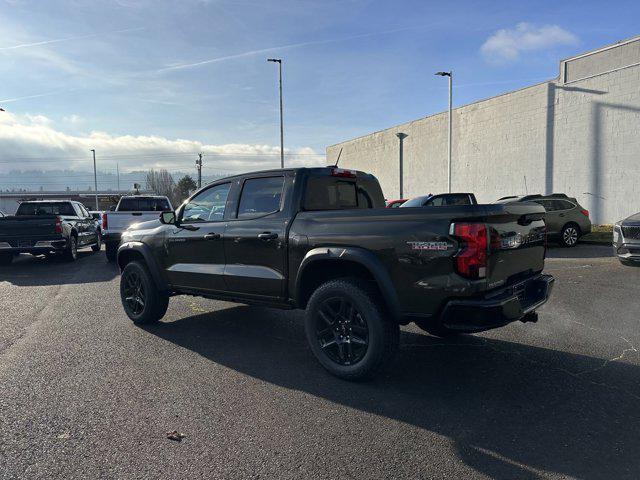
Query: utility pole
point(279, 62)
point(95, 178)
point(401, 137)
point(118, 175)
point(450, 75)
point(199, 167)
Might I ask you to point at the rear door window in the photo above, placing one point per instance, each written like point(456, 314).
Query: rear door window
point(260, 197)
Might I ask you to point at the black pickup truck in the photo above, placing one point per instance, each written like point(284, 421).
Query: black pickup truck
point(47, 227)
point(320, 239)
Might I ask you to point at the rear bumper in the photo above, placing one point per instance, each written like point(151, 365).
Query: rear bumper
point(498, 308)
point(39, 246)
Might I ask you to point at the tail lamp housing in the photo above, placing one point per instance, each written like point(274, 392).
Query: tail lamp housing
point(471, 259)
point(105, 223)
point(58, 226)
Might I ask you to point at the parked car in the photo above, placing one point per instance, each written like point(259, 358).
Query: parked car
point(441, 200)
point(626, 240)
point(565, 218)
point(395, 203)
point(130, 210)
point(46, 227)
point(320, 239)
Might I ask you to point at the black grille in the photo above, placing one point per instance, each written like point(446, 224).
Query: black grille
point(631, 232)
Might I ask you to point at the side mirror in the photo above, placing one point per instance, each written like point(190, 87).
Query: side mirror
point(168, 218)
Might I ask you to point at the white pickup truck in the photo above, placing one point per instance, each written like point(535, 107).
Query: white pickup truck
point(129, 211)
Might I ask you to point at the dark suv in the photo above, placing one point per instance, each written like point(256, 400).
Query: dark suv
point(566, 220)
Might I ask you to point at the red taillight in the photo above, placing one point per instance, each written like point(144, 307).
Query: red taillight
point(471, 261)
point(341, 172)
point(585, 212)
point(105, 224)
point(58, 225)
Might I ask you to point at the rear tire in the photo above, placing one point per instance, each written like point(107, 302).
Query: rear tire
point(6, 259)
point(569, 235)
point(98, 246)
point(348, 330)
point(142, 301)
point(111, 250)
point(71, 253)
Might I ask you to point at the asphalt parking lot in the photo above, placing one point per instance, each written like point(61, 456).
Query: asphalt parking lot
point(86, 394)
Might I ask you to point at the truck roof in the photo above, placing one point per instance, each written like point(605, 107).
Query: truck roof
point(287, 170)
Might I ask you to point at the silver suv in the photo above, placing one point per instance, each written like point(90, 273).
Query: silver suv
point(626, 240)
point(566, 219)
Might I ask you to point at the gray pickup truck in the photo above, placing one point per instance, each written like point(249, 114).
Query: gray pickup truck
point(321, 240)
point(48, 227)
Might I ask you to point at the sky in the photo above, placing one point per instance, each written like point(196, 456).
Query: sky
point(151, 83)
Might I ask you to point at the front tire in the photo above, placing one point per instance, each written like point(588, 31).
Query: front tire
point(98, 246)
point(569, 235)
point(142, 301)
point(348, 330)
point(71, 253)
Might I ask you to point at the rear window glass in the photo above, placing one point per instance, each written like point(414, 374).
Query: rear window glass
point(46, 208)
point(330, 193)
point(144, 205)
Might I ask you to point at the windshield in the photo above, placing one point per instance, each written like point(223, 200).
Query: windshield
point(414, 202)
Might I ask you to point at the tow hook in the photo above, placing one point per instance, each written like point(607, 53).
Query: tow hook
point(530, 317)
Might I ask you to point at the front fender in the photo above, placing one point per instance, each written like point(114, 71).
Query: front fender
point(132, 248)
point(364, 258)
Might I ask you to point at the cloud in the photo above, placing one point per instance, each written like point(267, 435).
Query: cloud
point(67, 39)
point(507, 44)
point(249, 53)
point(33, 142)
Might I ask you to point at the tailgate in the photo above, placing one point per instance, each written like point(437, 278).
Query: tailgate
point(120, 221)
point(517, 242)
point(27, 226)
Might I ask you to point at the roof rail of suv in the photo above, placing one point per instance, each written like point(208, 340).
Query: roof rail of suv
point(558, 195)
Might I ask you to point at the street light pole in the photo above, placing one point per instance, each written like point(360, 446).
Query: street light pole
point(450, 75)
point(279, 62)
point(95, 178)
point(401, 137)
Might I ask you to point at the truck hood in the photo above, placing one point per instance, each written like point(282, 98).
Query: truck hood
point(632, 220)
point(148, 225)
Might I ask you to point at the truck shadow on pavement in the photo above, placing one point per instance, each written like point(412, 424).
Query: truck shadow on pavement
point(511, 410)
point(30, 271)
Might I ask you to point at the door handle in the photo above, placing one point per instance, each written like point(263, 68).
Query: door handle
point(267, 236)
point(212, 236)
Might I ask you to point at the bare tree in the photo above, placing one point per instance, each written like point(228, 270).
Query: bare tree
point(161, 182)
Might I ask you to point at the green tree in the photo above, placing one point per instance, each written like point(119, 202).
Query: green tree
point(184, 187)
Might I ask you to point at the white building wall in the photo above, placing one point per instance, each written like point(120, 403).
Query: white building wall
point(581, 138)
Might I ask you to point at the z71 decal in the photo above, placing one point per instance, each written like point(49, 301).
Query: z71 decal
point(431, 246)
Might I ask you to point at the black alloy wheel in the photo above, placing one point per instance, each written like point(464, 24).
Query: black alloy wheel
point(341, 331)
point(134, 292)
